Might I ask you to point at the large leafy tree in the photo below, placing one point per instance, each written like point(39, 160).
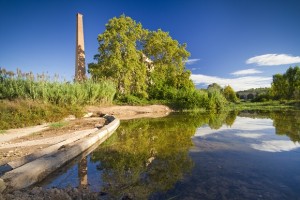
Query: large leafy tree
point(124, 48)
point(169, 58)
point(119, 58)
point(279, 86)
point(287, 85)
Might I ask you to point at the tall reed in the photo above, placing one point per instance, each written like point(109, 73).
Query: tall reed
point(42, 88)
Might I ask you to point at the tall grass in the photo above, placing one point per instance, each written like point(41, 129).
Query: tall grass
point(22, 113)
point(41, 88)
point(26, 99)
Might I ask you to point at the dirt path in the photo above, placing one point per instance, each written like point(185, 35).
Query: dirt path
point(132, 112)
point(16, 143)
point(21, 132)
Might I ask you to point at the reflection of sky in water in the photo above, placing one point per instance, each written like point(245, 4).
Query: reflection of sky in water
point(258, 134)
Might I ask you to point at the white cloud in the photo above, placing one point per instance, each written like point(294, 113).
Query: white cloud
point(273, 59)
point(276, 145)
point(250, 135)
point(246, 72)
point(240, 83)
point(192, 61)
point(258, 134)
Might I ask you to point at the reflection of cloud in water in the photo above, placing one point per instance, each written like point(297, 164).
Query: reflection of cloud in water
point(250, 135)
point(258, 134)
point(276, 145)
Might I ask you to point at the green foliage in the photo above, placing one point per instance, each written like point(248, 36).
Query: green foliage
point(168, 58)
point(266, 105)
point(217, 101)
point(130, 100)
point(287, 85)
point(229, 94)
point(119, 56)
point(279, 87)
point(214, 87)
point(26, 86)
point(142, 63)
point(149, 65)
point(262, 98)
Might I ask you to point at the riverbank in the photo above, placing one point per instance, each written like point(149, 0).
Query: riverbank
point(17, 143)
point(267, 105)
point(39, 138)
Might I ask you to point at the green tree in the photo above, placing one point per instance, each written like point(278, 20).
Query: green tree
point(230, 94)
point(139, 61)
point(292, 76)
point(279, 86)
point(287, 85)
point(119, 58)
point(214, 87)
point(169, 58)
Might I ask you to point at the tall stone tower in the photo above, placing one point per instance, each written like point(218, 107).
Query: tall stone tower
point(80, 55)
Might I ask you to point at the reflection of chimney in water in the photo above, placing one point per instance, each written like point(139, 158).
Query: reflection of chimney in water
point(82, 173)
point(80, 55)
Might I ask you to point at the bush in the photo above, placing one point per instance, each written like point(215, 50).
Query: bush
point(131, 100)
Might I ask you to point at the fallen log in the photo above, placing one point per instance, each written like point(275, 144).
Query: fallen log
point(35, 171)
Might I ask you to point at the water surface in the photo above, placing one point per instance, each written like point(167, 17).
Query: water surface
point(245, 155)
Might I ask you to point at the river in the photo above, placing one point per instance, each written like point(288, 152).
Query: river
point(245, 155)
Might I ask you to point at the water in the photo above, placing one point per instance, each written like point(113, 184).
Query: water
point(194, 156)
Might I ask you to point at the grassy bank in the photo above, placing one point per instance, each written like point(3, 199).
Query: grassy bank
point(30, 100)
point(268, 105)
point(22, 113)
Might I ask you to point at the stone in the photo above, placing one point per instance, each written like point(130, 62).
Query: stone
point(87, 115)
point(2, 185)
point(70, 118)
point(98, 126)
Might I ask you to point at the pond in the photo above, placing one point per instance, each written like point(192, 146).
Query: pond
point(246, 155)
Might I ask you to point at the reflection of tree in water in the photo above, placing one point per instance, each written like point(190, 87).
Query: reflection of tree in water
point(287, 123)
point(230, 118)
point(216, 120)
point(148, 155)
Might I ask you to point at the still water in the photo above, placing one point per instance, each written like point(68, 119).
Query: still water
point(246, 155)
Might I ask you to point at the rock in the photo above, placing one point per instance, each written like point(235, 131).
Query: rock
point(87, 115)
point(36, 191)
point(70, 118)
point(58, 194)
point(2, 185)
point(98, 126)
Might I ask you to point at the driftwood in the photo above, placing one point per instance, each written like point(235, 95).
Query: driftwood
point(36, 170)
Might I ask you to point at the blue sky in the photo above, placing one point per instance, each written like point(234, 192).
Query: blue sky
point(237, 42)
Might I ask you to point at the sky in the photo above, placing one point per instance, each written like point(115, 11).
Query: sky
point(240, 43)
